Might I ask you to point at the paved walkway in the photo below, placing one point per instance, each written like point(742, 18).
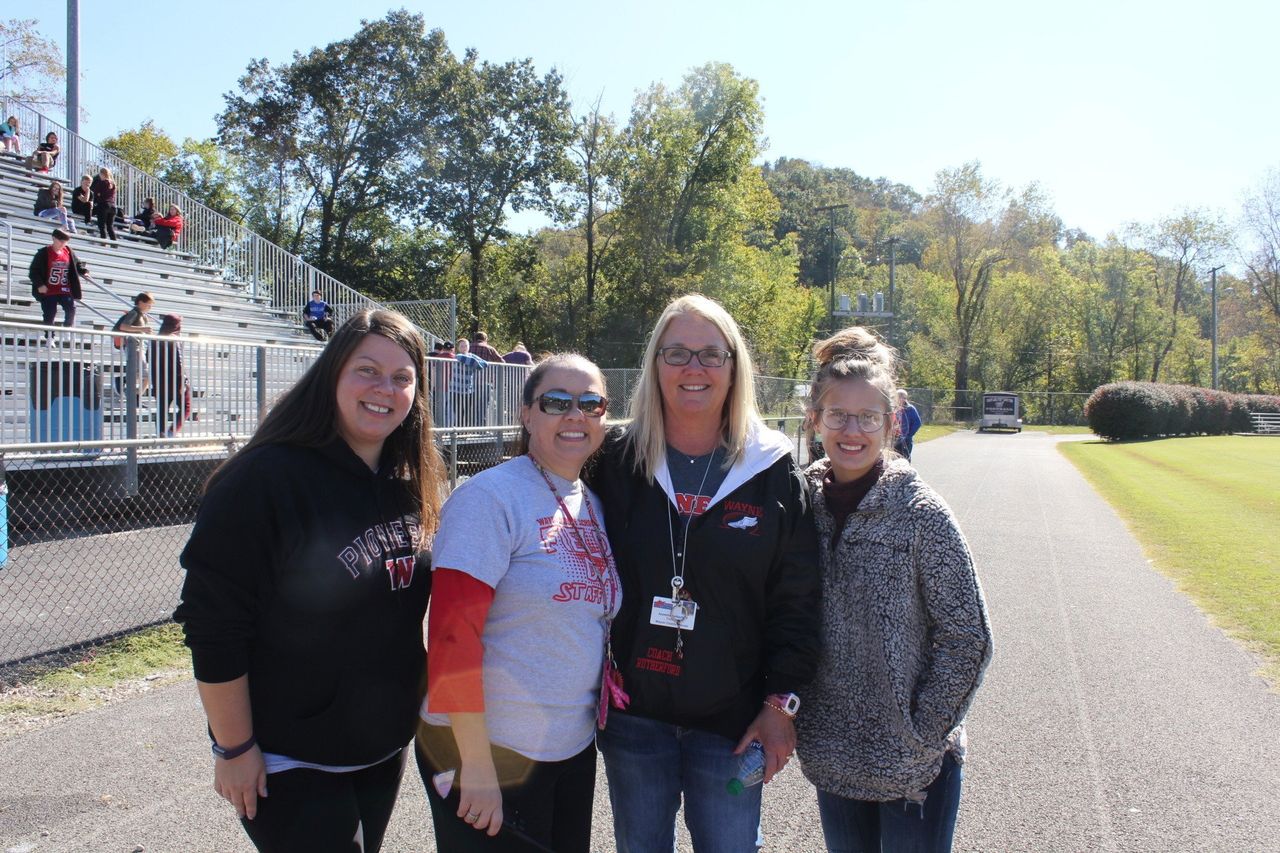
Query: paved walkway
point(1114, 716)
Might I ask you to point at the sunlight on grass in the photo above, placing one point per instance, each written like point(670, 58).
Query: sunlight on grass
point(153, 655)
point(932, 431)
point(1207, 512)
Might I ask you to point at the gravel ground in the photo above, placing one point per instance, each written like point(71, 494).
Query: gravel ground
point(1114, 716)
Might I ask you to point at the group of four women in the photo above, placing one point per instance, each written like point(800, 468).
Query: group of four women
point(652, 591)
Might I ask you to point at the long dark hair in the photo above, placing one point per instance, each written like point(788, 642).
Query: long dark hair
point(307, 414)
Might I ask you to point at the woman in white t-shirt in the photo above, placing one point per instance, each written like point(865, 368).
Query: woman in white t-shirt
point(524, 591)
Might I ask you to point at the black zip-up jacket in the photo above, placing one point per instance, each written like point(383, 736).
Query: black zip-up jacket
point(308, 572)
point(752, 568)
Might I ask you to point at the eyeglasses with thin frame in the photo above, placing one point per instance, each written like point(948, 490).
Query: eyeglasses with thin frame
point(590, 404)
point(709, 357)
point(868, 420)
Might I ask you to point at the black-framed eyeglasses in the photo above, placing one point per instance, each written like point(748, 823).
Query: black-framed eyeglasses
point(590, 404)
point(709, 357)
point(868, 420)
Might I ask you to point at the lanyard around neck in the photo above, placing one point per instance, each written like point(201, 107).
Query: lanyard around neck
point(599, 562)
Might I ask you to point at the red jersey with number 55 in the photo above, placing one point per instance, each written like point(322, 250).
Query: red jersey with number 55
point(59, 283)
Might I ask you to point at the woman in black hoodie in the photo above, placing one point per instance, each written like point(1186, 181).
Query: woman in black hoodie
point(307, 580)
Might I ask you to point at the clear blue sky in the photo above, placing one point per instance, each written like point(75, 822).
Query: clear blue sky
point(1122, 110)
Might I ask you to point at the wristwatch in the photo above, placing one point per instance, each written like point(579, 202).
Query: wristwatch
point(786, 703)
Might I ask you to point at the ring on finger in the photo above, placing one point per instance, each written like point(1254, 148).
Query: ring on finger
point(471, 817)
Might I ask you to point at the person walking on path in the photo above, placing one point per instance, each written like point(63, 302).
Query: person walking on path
point(906, 638)
point(710, 523)
point(907, 419)
point(525, 589)
point(307, 582)
point(55, 279)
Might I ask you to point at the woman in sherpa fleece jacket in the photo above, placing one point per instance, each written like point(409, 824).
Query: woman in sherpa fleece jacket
point(906, 637)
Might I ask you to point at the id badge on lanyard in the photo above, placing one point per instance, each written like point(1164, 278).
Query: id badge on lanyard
point(678, 613)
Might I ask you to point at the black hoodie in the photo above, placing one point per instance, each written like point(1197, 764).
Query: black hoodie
point(308, 572)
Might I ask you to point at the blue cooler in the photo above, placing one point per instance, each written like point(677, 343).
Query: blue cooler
point(66, 401)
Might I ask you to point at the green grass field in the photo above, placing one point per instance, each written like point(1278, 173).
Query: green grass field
point(932, 431)
point(1207, 512)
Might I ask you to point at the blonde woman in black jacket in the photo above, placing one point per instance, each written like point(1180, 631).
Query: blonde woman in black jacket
point(905, 632)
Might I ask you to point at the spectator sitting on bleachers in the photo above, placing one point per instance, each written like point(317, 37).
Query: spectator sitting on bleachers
point(45, 157)
point(9, 136)
point(55, 279)
point(482, 348)
point(168, 228)
point(104, 203)
point(317, 316)
point(47, 197)
point(146, 216)
point(82, 199)
point(519, 355)
point(59, 216)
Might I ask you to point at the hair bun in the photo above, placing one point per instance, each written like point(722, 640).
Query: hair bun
point(854, 342)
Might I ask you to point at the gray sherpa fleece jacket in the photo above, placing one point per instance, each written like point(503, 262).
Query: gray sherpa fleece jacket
point(906, 640)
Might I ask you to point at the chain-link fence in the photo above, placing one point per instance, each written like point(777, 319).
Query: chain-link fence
point(91, 526)
point(437, 317)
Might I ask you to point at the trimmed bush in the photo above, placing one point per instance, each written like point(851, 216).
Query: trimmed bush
point(1129, 410)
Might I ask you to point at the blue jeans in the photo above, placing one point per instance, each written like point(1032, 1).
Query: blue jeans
point(649, 764)
point(896, 826)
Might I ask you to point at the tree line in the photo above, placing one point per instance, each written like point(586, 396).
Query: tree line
point(395, 165)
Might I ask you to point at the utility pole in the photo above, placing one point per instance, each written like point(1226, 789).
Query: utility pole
point(831, 259)
point(73, 76)
point(893, 266)
point(1213, 334)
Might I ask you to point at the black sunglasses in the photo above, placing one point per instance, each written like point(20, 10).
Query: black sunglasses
point(560, 402)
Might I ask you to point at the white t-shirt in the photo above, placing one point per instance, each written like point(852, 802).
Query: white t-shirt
point(545, 634)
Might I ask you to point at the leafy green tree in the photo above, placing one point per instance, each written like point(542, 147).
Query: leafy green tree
point(148, 147)
point(596, 155)
point(976, 227)
point(1184, 245)
point(499, 146)
point(341, 129)
point(32, 71)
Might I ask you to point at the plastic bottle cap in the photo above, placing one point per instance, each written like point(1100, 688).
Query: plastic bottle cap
point(734, 787)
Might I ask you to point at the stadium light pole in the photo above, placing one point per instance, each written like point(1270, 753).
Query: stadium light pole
point(831, 209)
point(1213, 328)
point(73, 70)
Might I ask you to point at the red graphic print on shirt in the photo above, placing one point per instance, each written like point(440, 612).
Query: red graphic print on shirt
point(582, 570)
point(687, 504)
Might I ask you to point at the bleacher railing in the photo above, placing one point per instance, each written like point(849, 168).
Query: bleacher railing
point(216, 241)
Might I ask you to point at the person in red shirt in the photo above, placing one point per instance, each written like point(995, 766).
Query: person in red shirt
point(168, 228)
point(55, 279)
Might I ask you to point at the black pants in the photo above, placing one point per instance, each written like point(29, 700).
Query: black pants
point(548, 802)
point(106, 214)
point(310, 811)
point(315, 327)
point(84, 209)
point(49, 309)
point(164, 236)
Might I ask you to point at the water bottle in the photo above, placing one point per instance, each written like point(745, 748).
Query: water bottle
point(750, 769)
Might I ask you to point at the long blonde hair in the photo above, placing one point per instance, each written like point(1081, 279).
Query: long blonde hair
point(646, 434)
